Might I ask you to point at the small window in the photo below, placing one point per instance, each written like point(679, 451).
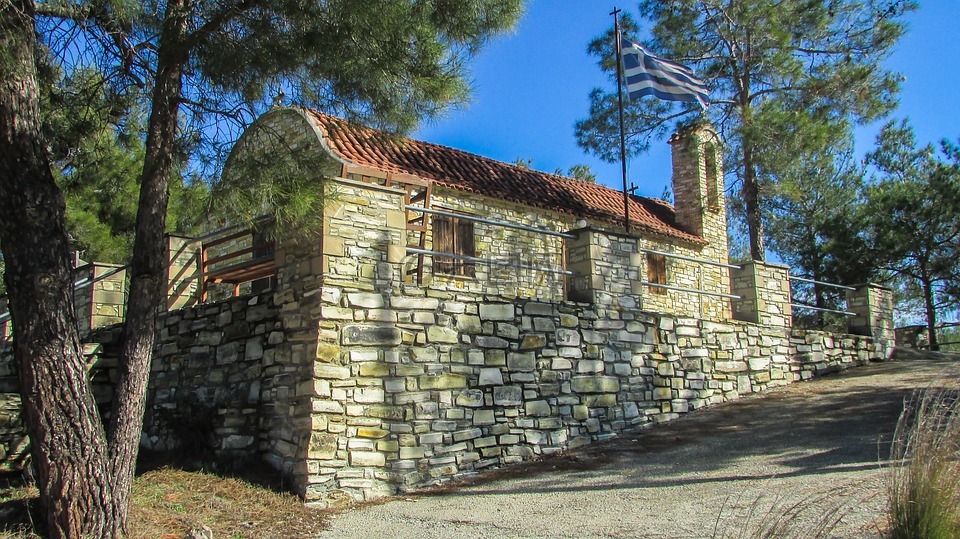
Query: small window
point(710, 171)
point(657, 272)
point(454, 236)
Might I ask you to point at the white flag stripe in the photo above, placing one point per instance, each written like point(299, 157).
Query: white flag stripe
point(647, 74)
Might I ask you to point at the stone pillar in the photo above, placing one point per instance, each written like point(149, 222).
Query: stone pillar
point(183, 272)
point(872, 306)
point(108, 296)
point(764, 291)
point(357, 346)
point(582, 254)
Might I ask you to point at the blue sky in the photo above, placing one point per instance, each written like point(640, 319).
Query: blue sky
point(531, 86)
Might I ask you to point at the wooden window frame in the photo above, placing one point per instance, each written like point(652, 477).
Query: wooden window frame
point(657, 272)
point(454, 236)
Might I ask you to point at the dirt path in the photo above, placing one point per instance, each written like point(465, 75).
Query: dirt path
point(814, 446)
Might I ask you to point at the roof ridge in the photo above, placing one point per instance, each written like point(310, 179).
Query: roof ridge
point(493, 159)
point(474, 173)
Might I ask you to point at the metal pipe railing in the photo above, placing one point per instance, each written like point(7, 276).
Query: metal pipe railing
point(805, 280)
point(694, 290)
point(466, 258)
point(689, 258)
point(493, 222)
point(812, 308)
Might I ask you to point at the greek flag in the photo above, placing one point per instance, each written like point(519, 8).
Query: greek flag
point(647, 74)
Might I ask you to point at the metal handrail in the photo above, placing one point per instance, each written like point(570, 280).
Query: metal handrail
point(805, 280)
point(812, 308)
point(466, 258)
point(694, 290)
point(493, 222)
point(690, 258)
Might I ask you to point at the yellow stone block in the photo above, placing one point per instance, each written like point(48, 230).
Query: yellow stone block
point(332, 245)
point(328, 352)
point(374, 369)
point(396, 219)
point(371, 432)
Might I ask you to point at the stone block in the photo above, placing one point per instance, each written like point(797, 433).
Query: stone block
point(490, 376)
point(365, 300)
point(336, 372)
point(525, 362)
point(442, 335)
point(491, 342)
point(371, 432)
point(533, 341)
point(508, 395)
point(443, 381)
point(730, 366)
point(497, 311)
point(539, 408)
point(472, 398)
point(413, 303)
point(368, 395)
point(469, 323)
point(374, 369)
point(328, 352)
point(567, 337)
point(411, 453)
point(322, 446)
point(367, 458)
point(594, 384)
point(384, 412)
point(483, 417)
point(371, 335)
point(662, 393)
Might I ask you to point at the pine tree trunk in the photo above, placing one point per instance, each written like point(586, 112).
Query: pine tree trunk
point(931, 311)
point(751, 201)
point(68, 444)
point(147, 285)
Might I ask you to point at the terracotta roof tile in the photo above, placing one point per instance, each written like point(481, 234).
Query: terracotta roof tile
point(476, 174)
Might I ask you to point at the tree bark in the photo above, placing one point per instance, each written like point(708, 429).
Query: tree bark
point(147, 290)
point(927, 284)
point(751, 202)
point(68, 444)
point(751, 190)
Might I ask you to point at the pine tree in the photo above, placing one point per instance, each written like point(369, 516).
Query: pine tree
point(764, 62)
point(198, 63)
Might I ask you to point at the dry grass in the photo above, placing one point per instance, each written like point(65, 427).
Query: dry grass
point(171, 502)
point(775, 517)
point(167, 503)
point(924, 482)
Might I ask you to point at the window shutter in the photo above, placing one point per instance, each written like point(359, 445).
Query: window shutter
point(443, 241)
point(464, 238)
point(657, 272)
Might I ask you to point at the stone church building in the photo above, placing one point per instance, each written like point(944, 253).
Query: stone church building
point(458, 313)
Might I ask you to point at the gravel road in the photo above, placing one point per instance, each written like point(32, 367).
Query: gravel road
point(811, 451)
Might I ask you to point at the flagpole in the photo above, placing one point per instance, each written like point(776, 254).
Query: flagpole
point(623, 143)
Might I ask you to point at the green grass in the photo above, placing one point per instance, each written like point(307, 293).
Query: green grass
point(924, 481)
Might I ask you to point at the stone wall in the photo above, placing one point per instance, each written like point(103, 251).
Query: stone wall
point(469, 382)
point(416, 385)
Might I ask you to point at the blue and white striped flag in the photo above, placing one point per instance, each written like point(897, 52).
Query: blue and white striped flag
point(646, 74)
